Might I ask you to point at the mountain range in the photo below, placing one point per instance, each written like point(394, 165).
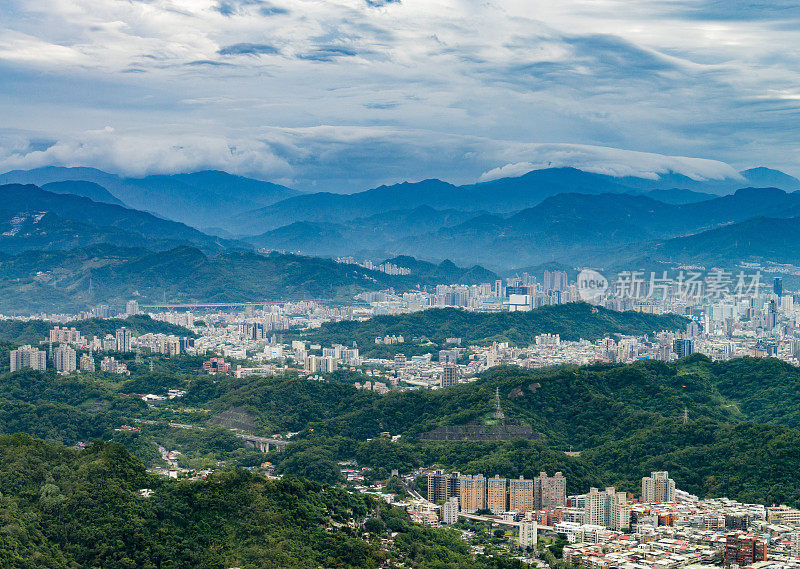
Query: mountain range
point(73, 239)
point(32, 218)
point(200, 199)
point(502, 196)
point(231, 205)
point(566, 228)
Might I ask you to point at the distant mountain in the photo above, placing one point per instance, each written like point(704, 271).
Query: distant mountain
point(445, 272)
point(766, 177)
point(32, 218)
point(760, 239)
point(582, 229)
point(49, 232)
point(73, 280)
point(199, 199)
point(362, 236)
point(500, 196)
point(94, 192)
point(677, 196)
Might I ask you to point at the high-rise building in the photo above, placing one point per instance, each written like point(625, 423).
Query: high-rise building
point(528, 533)
point(796, 543)
point(442, 487)
point(549, 492)
point(472, 491)
point(449, 375)
point(608, 509)
point(65, 359)
point(87, 363)
point(320, 364)
point(743, 549)
point(520, 495)
point(65, 336)
point(28, 356)
point(123, 340)
point(777, 286)
point(682, 347)
point(132, 308)
point(555, 280)
point(450, 511)
point(496, 494)
point(658, 488)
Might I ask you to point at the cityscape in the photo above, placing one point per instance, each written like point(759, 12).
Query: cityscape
point(399, 284)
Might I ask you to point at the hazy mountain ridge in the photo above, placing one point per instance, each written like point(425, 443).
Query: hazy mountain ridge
point(198, 199)
point(504, 195)
point(576, 228)
point(88, 222)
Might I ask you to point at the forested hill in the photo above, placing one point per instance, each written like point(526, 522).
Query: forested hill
point(571, 321)
point(626, 420)
point(65, 509)
point(33, 331)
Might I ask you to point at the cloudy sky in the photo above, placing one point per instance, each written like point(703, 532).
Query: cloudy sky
point(347, 94)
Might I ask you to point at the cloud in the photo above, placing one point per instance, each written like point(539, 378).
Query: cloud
point(613, 162)
point(139, 154)
point(482, 86)
point(248, 49)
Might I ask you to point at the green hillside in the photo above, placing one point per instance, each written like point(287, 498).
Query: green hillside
point(572, 321)
point(65, 509)
point(625, 419)
point(741, 438)
point(58, 281)
point(33, 331)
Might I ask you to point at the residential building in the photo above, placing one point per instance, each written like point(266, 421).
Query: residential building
point(549, 492)
point(320, 364)
point(783, 515)
point(28, 356)
point(87, 363)
point(450, 511)
point(743, 549)
point(496, 494)
point(528, 533)
point(65, 359)
point(123, 340)
point(682, 347)
point(472, 493)
point(132, 308)
point(795, 540)
point(449, 375)
point(658, 488)
point(65, 336)
point(520, 495)
point(216, 365)
point(608, 509)
point(442, 487)
point(111, 365)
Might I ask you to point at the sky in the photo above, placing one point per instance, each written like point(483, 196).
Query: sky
point(343, 95)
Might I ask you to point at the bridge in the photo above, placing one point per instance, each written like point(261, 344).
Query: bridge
point(262, 443)
point(487, 519)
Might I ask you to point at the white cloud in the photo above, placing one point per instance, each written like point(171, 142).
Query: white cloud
point(613, 162)
point(355, 95)
point(139, 154)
